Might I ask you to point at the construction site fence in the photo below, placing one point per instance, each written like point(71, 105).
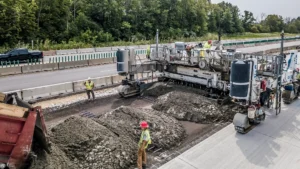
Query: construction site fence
point(226, 43)
point(50, 91)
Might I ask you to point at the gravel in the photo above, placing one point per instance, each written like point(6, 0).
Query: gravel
point(192, 107)
point(91, 145)
point(165, 131)
point(57, 159)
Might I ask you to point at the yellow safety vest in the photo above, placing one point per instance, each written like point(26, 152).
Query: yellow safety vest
point(148, 51)
point(89, 86)
point(148, 138)
point(298, 76)
point(202, 53)
point(207, 46)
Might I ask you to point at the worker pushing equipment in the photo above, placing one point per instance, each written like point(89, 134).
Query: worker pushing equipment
point(145, 140)
point(89, 88)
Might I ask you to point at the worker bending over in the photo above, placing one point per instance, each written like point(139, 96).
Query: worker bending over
point(207, 45)
point(145, 140)
point(189, 52)
point(89, 88)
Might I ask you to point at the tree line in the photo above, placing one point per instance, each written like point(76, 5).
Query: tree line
point(99, 21)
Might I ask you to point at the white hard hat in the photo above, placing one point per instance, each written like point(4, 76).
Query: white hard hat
point(89, 78)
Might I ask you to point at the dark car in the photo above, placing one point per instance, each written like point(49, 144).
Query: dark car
point(21, 55)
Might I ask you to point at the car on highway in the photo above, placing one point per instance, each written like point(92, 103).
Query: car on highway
point(21, 54)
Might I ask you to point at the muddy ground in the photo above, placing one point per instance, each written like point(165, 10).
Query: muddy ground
point(158, 155)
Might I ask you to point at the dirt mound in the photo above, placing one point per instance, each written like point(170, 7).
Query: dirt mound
point(191, 107)
point(91, 145)
point(57, 159)
point(165, 131)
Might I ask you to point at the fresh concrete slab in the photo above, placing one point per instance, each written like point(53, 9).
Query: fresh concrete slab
point(273, 144)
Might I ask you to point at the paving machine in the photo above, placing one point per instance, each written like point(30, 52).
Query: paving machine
point(291, 67)
point(253, 83)
point(184, 64)
point(129, 65)
point(20, 126)
point(245, 90)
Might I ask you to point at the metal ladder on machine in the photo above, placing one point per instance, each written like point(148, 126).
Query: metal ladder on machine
point(278, 74)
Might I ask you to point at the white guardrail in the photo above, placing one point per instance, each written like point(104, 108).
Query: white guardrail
point(73, 87)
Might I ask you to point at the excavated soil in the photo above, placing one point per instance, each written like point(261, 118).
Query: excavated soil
point(192, 107)
point(165, 131)
point(56, 160)
point(109, 139)
point(91, 145)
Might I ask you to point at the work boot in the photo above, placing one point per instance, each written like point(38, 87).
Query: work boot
point(144, 166)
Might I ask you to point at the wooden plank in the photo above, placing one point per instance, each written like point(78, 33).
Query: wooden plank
point(2, 97)
point(12, 110)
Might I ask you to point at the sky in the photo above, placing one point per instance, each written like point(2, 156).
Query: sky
point(285, 8)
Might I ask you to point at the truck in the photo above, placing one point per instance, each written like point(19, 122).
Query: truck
point(21, 128)
point(20, 54)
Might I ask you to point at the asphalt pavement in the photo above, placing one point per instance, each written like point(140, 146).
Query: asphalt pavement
point(23, 81)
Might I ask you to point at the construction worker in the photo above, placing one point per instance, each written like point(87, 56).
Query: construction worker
point(207, 45)
point(263, 86)
point(189, 52)
point(298, 80)
point(145, 140)
point(89, 88)
point(148, 52)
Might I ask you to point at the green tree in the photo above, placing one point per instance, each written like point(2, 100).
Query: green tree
point(53, 16)
point(9, 21)
point(274, 22)
point(27, 19)
point(248, 21)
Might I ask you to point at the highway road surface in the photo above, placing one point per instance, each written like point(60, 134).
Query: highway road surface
point(24, 81)
point(273, 144)
point(11, 83)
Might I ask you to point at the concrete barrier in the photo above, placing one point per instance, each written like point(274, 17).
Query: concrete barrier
point(66, 65)
point(49, 66)
point(105, 49)
point(32, 68)
point(46, 91)
point(101, 61)
point(121, 47)
point(103, 82)
point(81, 63)
point(66, 52)
point(86, 50)
point(10, 71)
point(117, 79)
point(49, 53)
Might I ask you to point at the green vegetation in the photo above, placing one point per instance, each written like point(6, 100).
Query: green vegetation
point(65, 24)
